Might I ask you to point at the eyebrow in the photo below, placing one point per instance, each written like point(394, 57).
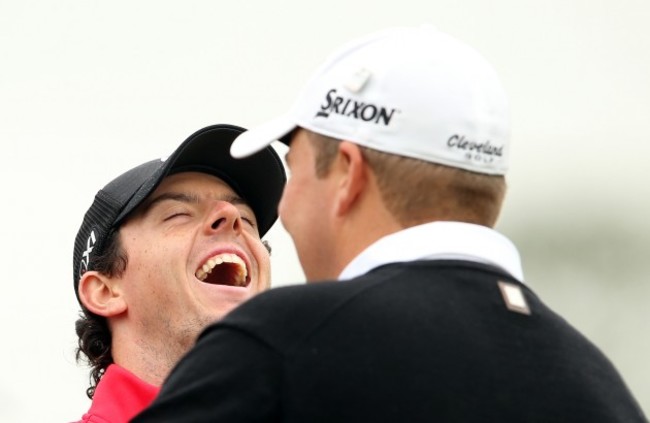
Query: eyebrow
point(188, 198)
point(169, 196)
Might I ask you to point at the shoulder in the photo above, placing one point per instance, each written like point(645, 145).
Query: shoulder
point(285, 315)
point(313, 301)
point(287, 312)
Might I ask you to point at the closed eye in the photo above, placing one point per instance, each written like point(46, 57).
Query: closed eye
point(249, 221)
point(175, 215)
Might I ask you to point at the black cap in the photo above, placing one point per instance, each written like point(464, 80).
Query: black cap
point(259, 179)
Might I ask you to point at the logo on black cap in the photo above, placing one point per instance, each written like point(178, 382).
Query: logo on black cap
point(84, 263)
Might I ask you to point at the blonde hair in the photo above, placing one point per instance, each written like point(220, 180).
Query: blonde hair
point(415, 191)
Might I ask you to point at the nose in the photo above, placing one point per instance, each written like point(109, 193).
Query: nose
point(223, 217)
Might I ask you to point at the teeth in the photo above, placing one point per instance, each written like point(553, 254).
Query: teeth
point(242, 273)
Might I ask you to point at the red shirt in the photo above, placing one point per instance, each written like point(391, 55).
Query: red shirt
point(119, 396)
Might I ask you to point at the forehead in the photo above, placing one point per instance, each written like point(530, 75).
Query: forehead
point(195, 182)
point(299, 144)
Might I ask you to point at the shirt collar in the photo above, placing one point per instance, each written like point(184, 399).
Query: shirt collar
point(119, 396)
point(437, 241)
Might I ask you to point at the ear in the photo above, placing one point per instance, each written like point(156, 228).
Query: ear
point(353, 168)
point(101, 295)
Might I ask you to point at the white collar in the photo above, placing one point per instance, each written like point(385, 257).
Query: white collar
point(436, 241)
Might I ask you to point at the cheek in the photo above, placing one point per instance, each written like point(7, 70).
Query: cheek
point(301, 187)
point(294, 211)
point(286, 202)
point(152, 259)
point(262, 262)
point(298, 214)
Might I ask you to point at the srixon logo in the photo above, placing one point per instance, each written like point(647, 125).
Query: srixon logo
point(354, 109)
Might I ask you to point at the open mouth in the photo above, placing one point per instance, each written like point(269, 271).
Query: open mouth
point(224, 269)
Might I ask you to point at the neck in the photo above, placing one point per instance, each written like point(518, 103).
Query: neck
point(363, 226)
point(145, 356)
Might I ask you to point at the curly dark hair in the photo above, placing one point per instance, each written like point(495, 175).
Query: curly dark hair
point(93, 332)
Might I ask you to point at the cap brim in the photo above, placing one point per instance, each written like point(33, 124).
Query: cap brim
point(256, 139)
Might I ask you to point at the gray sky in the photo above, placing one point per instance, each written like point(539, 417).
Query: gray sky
point(89, 89)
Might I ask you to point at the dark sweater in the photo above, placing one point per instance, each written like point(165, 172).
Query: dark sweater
point(426, 341)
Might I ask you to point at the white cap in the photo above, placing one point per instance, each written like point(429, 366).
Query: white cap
point(414, 92)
